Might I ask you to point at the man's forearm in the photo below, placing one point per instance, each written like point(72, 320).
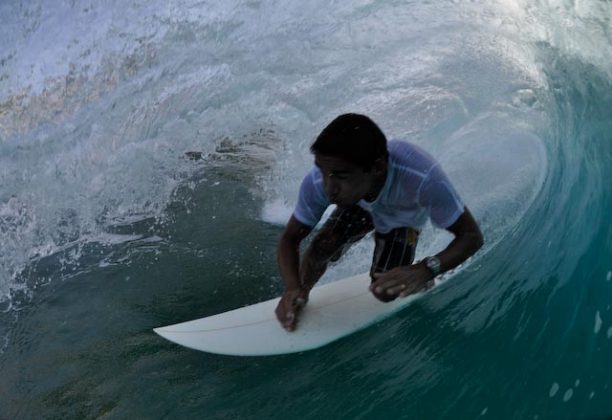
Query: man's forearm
point(311, 269)
point(468, 239)
point(459, 250)
point(288, 257)
point(295, 273)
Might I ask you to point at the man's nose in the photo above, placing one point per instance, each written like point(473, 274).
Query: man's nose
point(333, 188)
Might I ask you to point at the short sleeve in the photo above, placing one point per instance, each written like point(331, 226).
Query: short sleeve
point(440, 198)
point(312, 201)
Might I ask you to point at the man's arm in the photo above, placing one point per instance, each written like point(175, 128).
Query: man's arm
point(468, 239)
point(288, 256)
point(404, 281)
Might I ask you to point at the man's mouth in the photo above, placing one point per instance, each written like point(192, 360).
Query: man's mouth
point(341, 203)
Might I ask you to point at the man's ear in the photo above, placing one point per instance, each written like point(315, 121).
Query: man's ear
point(380, 165)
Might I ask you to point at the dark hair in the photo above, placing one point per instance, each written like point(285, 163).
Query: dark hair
point(352, 137)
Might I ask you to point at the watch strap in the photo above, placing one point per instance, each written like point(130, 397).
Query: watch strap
point(433, 264)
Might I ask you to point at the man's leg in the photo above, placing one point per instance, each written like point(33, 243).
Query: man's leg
point(393, 249)
point(343, 228)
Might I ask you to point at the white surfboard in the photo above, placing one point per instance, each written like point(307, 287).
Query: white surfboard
point(334, 310)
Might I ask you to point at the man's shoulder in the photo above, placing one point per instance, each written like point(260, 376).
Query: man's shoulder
point(313, 175)
point(312, 180)
point(408, 157)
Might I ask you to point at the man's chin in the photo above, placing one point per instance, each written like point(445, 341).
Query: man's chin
point(344, 205)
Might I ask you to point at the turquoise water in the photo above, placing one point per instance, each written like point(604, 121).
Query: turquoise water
point(108, 230)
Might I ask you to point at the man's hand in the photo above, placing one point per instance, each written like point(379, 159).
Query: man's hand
point(290, 306)
point(401, 281)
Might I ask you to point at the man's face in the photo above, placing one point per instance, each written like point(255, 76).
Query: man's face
point(345, 183)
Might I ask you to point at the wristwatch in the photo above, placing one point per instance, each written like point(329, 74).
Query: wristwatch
point(433, 264)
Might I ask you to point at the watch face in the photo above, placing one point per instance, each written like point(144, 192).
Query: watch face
point(433, 264)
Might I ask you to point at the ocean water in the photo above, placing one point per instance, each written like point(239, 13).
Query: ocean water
point(108, 229)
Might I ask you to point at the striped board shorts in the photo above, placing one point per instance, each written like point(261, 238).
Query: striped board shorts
point(393, 249)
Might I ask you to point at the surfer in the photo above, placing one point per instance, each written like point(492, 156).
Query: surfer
point(391, 188)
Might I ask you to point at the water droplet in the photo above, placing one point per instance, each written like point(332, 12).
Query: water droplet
point(597, 322)
point(553, 390)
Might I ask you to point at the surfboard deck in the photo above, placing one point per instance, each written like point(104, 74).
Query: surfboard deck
point(334, 310)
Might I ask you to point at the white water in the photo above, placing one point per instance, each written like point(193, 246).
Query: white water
point(102, 102)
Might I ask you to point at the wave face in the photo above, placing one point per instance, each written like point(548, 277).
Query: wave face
point(151, 152)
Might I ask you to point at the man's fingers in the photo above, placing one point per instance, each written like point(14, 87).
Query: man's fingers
point(394, 290)
point(388, 286)
point(427, 286)
point(381, 283)
point(289, 321)
point(398, 282)
point(291, 315)
point(289, 308)
point(411, 291)
point(396, 287)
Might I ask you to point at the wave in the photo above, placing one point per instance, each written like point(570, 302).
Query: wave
point(511, 103)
